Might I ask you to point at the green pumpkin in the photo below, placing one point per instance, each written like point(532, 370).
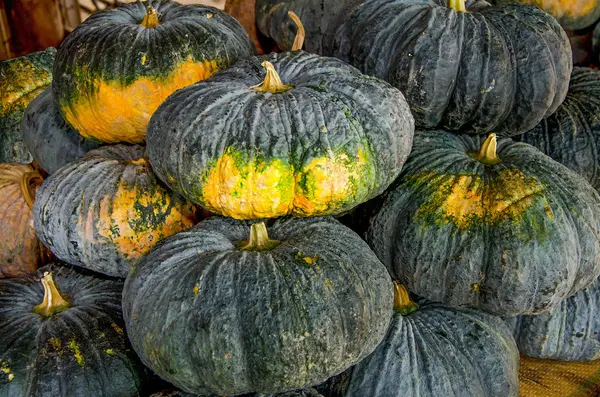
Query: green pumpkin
point(295, 393)
point(572, 14)
point(21, 80)
point(473, 68)
point(313, 137)
point(62, 335)
point(264, 314)
point(503, 228)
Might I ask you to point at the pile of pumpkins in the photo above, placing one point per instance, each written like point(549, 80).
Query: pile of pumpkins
point(402, 209)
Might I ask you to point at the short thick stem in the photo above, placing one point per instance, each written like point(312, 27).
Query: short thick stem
point(402, 303)
point(259, 239)
point(150, 19)
point(54, 300)
point(488, 152)
point(272, 82)
point(300, 33)
point(457, 5)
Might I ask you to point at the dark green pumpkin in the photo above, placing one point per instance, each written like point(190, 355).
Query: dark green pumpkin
point(21, 80)
point(511, 232)
point(48, 137)
point(214, 312)
point(295, 393)
point(106, 210)
point(486, 69)
point(572, 14)
point(433, 350)
point(74, 345)
point(571, 136)
point(319, 141)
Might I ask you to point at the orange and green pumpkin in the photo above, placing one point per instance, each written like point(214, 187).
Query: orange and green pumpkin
point(572, 14)
point(117, 67)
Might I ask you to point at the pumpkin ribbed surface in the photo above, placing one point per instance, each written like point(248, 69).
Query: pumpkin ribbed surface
point(572, 14)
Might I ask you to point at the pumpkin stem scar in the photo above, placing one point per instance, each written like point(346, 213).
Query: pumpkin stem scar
point(27, 182)
point(259, 239)
point(457, 5)
point(54, 301)
point(150, 19)
point(487, 154)
point(272, 82)
point(402, 303)
point(300, 33)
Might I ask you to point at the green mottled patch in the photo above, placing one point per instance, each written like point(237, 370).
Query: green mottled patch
point(74, 347)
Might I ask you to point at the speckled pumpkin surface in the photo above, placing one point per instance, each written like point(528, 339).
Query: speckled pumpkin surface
point(213, 312)
point(572, 14)
point(106, 210)
point(508, 230)
point(21, 80)
point(324, 140)
point(482, 69)
point(116, 68)
point(68, 345)
point(20, 250)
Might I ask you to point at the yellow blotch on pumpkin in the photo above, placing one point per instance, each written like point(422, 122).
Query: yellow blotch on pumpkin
point(6, 369)
point(74, 347)
point(116, 113)
point(21, 82)
point(568, 8)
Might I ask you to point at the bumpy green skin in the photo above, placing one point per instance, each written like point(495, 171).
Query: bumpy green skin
point(213, 319)
point(571, 136)
point(48, 137)
point(21, 79)
point(295, 393)
point(570, 332)
point(82, 351)
point(436, 351)
point(492, 69)
point(516, 262)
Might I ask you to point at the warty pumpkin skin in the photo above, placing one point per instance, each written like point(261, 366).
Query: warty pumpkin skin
point(48, 137)
point(20, 250)
point(116, 68)
point(263, 314)
point(68, 345)
point(572, 14)
point(325, 139)
point(485, 69)
point(571, 136)
point(21, 80)
point(105, 211)
point(505, 229)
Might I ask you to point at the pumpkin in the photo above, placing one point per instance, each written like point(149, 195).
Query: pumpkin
point(569, 332)
point(572, 14)
point(294, 393)
point(20, 250)
point(474, 68)
point(488, 223)
point(47, 136)
point(280, 310)
point(571, 136)
point(62, 336)
point(116, 67)
point(311, 136)
point(21, 80)
point(106, 210)
point(434, 350)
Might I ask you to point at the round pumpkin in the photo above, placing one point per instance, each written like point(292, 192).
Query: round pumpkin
point(571, 136)
point(312, 137)
point(214, 311)
point(20, 250)
point(61, 335)
point(105, 211)
point(572, 14)
point(116, 68)
point(434, 350)
point(476, 69)
point(492, 224)
point(47, 136)
point(21, 80)
point(294, 393)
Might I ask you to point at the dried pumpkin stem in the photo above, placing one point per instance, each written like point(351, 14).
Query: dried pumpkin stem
point(54, 300)
point(457, 5)
point(28, 182)
point(402, 303)
point(259, 239)
point(300, 33)
point(150, 19)
point(487, 153)
point(272, 82)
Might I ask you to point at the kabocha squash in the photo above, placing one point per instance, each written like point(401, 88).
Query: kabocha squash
point(115, 69)
point(295, 393)
point(570, 332)
point(474, 68)
point(492, 224)
point(21, 80)
point(571, 136)
point(434, 350)
point(47, 136)
point(20, 250)
point(62, 335)
point(106, 210)
point(269, 313)
point(572, 14)
point(312, 137)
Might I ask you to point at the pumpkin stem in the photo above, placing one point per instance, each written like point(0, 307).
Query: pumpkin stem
point(29, 181)
point(259, 239)
point(457, 5)
point(402, 303)
point(300, 33)
point(151, 18)
point(54, 301)
point(487, 153)
point(272, 82)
